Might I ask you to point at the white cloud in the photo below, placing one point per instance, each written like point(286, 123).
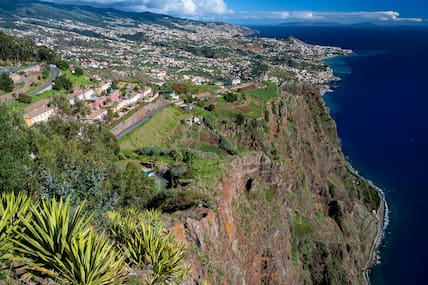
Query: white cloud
point(340, 17)
point(190, 8)
point(218, 10)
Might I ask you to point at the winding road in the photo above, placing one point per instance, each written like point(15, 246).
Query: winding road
point(54, 73)
point(9, 96)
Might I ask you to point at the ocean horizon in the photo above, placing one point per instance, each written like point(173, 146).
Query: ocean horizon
point(379, 107)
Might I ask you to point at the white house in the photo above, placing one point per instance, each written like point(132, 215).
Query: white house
point(120, 105)
point(38, 112)
point(134, 98)
point(146, 92)
point(97, 115)
point(103, 87)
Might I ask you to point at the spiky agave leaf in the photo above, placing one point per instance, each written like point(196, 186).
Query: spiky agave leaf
point(58, 242)
point(93, 260)
point(163, 253)
point(49, 233)
point(12, 207)
point(145, 242)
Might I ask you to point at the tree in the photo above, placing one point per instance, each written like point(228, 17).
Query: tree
point(78, 71)
point(179, 88)
point(80, 108)
point(137, 190)
point(230, 97)
point(114, 84)
point(46, 71)
point(43, 53)
point(62, 103)
point(62, 64)
point(259, 68)
point(62, 82)
point(20, 49)
point(16, 166)
point(6, 84)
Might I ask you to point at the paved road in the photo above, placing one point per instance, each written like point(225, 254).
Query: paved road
point(54, 73)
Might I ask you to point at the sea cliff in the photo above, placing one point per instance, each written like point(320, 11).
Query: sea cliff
point(288, 209)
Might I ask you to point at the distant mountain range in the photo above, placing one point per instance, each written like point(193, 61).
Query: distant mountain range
point(16, 9)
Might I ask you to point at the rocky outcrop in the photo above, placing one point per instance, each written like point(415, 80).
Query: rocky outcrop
point(287, 210)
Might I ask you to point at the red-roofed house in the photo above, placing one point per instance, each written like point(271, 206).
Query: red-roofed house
point(102, 101)
point(15, 78)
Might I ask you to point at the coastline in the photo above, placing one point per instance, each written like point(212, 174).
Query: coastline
point(382, 216)
point(382, 213)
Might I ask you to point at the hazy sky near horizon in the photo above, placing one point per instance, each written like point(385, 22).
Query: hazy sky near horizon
point(344, 11)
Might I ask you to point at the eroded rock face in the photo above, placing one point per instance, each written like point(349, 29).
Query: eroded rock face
point(303, 219)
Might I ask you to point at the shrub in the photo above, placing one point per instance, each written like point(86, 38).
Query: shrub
point(230, 97)
point(78, 71)
point(210, 107)
point(239, 119)
point(170, 201)
point(227, 146)
point(24, 98)
point(94, 260)
point(6, 84)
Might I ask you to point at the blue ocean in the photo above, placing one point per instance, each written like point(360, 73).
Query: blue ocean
point(381, 110)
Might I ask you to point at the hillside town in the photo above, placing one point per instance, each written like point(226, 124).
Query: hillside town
point(146, 59)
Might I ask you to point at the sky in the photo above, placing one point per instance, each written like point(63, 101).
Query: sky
point(277, 11)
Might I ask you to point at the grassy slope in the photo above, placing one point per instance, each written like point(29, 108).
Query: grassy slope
point(265, 94)
point(155, 132)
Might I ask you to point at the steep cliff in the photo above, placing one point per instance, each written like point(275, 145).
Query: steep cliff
point(287, 210)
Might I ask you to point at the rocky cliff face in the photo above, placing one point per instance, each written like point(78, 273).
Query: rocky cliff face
point(287, 210)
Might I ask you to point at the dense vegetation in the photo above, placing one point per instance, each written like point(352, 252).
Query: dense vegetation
point(6, 84)
point(20, 49)
point(70, 169)
point(49, 240)
point(62, 82)
point(67, 159)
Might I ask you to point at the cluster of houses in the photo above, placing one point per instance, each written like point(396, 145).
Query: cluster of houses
point(15, 77)
point(100, 99)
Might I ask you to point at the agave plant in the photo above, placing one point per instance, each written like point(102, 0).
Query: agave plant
point(13, 210)
point(123, 224)
point(160, 252)
point(143, 238)
point(59, 243)
point(94, 260)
